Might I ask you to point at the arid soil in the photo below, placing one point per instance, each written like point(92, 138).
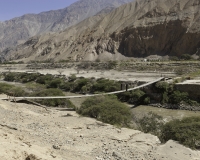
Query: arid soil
point(29, 132)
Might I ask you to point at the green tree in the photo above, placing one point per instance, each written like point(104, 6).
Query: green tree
point(106, 109)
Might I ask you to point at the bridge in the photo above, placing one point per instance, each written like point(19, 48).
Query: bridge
point(83, 96)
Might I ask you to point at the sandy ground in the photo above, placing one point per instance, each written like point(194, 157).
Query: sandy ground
point(29, 132)
point(110, 74)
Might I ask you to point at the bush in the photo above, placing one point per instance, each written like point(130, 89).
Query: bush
point(70, 104)
point(105, 85)
point(150, 123)
point(186, 57)
point(106, 109)
point(10, 77)
point(72, 78)
point(11, 90)
point(162, 86)
point(80, 83)
point(134, 97)
point(185, 131)
point(176, 97)
point(55, 83)
point(137, 96)
point(44, 79)
point(35, 87)
point(27, 77)
point(49, 93)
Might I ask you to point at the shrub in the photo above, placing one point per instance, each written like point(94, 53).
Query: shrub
point(11, 90)
point(50, 102)
point(176, 97)
point(44, 79)
point(185, 131)
point(137, 96)
point(80, 83)
point(55, 83)
point(105, 85)
point(106, 109)
point(186, 57)
point(162, 86)
point(165, 98)
point(35, 87)
point(72, 78)
point(70, 104)
point(66, 86)
point(150, 123)
point(10, 77)
point(27, 77)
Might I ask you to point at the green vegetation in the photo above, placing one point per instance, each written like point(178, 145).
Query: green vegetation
point(186, 57)
point(172, 96)
point(70, 104)
point(11, 90)
point(106, 109)
point(185, 131)
point(35, 87)
point(105, 85)
point(137, 97)
point(50, 102)
point(149, 123)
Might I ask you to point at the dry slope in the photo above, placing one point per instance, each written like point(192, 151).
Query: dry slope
point(18, 30)
point(31, 132)
point(137, 29)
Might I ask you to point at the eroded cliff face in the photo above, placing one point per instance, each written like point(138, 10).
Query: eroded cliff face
point(169, 38)
point(137, 29)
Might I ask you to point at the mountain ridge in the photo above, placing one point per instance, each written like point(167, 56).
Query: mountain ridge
point(19, 29)
point(138, 29)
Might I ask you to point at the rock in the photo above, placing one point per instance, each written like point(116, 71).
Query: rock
point(56, 147)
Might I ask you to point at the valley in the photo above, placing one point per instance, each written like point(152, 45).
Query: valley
point(102, 80)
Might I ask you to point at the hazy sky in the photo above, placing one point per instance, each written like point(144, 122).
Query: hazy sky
point(15, 8)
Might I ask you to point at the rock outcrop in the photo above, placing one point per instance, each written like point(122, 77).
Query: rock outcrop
point(18, 30)
point(138, 29)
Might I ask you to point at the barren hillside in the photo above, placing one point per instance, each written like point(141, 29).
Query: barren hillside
point(137, 29)
point(19, 29)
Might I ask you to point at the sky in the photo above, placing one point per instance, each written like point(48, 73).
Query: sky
point(14, 8)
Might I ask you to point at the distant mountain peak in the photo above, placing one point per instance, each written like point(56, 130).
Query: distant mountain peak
point(19, 29)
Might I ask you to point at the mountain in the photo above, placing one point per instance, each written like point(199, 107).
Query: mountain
point(138, 29)
point(18, 30)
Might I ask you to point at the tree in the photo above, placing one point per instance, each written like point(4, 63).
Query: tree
point(106, 109)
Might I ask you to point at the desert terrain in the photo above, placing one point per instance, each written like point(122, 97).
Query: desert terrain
point(30, 132)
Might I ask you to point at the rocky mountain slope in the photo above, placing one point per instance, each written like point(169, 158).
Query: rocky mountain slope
point(18, 30)
point(137, 29)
